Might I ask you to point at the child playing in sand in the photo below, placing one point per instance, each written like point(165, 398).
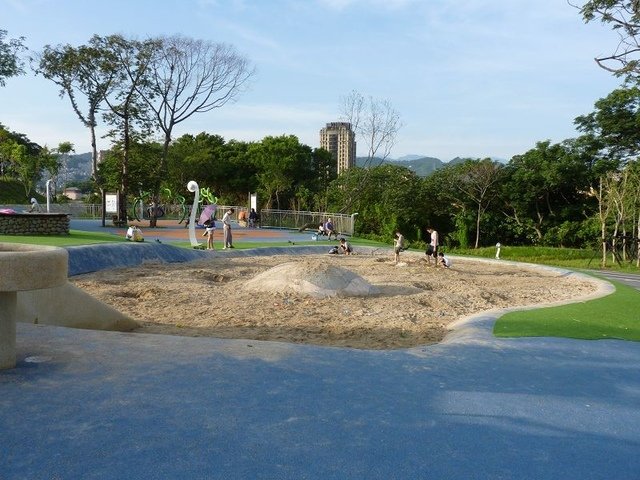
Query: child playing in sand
point(345, 247)
point(443, 260)
point(398, 246)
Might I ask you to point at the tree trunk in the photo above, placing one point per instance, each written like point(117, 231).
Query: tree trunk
point(478, 227)
point(603, 237)
point(124, 181)
point(94, 147)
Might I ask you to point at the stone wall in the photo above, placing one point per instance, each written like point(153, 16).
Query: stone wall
point(34, 224)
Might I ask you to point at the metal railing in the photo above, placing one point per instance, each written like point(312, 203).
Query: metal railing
point(269, 218)
point(293, 219)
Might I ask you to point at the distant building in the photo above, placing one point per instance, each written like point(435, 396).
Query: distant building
point(73, 193)
point(339, 139)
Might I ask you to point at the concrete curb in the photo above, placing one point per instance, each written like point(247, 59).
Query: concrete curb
point(92, 258)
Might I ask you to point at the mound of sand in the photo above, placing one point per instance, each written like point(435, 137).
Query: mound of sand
point(314, 278)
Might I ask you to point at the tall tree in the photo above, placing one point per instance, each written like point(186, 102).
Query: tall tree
point(186, 77)
point(614, 123)
point(10, 63)
point(86, 75)
point(376, 124)
point(127, 110)
point(478, 182)
point(544, 183)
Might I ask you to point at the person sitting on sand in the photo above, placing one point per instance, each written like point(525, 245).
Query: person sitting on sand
point(330, 229)
point(443, 260)
point(345, 247)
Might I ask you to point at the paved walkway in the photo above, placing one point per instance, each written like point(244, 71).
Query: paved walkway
point(104, 405)
point(172, 231)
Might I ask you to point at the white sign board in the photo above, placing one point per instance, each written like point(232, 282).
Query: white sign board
point(111, 203)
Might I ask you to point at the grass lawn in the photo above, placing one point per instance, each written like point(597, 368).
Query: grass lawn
point(573, 258)
point(614, 316)
point(75, 237)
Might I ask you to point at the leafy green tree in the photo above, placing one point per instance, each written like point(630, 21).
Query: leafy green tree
point(10, 63)
point(459, 195)
point(193, 158)
point(391, 198)
point(282, 164)
point(238, 174)
point(545, 186)
point(614, 123)
point(476, 182)
point(142, 157)
point(22, 159)
point(213, 163)
point(86, 75)
point(325, 171)
point(29, 168)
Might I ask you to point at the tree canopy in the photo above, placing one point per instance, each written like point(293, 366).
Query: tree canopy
point(10, 63)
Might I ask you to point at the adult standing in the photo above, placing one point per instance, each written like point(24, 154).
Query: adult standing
point(432, 248)
point(227, 237)
point(253, 218)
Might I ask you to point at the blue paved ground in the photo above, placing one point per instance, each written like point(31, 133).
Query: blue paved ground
point(104, 405)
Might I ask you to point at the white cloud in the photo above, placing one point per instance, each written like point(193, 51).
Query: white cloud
point(383, 4)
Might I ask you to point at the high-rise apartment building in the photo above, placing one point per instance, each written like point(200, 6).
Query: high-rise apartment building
point(339, 139)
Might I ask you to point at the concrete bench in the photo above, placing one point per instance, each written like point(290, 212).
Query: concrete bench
point(24, 268)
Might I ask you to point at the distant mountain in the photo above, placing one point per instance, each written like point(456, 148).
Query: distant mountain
point(75, 168)
point(408, 158)
point(457, 160)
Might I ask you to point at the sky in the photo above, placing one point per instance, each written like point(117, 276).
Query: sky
point(469, 78)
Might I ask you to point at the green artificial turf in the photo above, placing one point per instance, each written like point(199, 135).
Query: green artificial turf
point(75, 237)
point(614, 316)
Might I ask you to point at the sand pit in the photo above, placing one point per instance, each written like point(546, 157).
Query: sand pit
point(394, 306)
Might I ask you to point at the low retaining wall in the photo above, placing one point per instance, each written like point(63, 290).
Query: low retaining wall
point(34, 224)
